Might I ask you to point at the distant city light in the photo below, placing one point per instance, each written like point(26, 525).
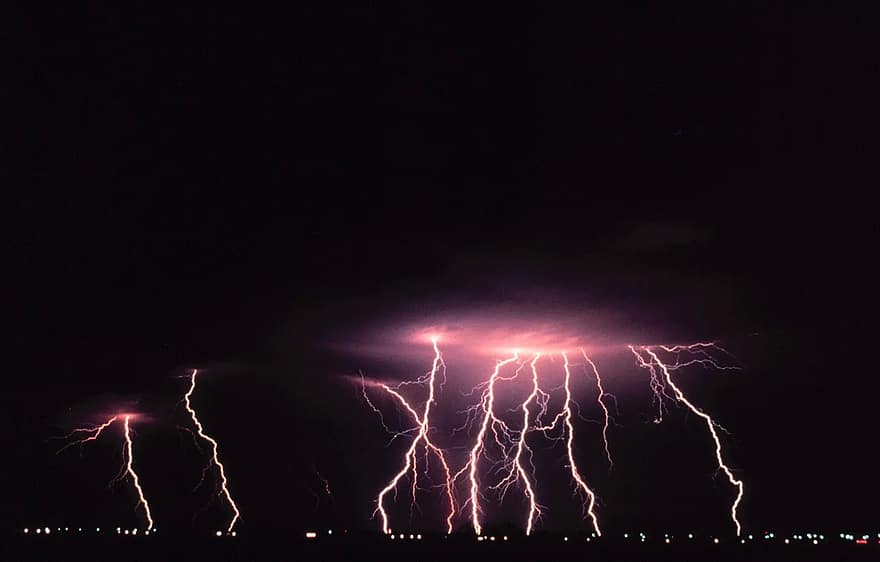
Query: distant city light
point(98, 530)
point(815, 541)
point(219, 533)
point(47, 530)
point(565, 538)
point(232, 533)
point(26, 531)
point(329, 531)
point(126, 531)
point(716, 541)
point(419, 537)
point(38, 531)
point(690, 535)
point(505, 537)
point(787, 541)
point(307, 536)
point(667, 541)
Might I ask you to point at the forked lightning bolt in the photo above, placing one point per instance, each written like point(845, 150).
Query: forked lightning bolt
point(128, 457)
point(215, 457)
point(700, 349)
point(422, 430)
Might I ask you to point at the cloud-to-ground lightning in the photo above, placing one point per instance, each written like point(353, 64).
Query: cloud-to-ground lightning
point(488, 421)
point(703, 359)
point(422, 430)
point(215, 456)
point(128, 456)
point(517, 471)
point(601, 400)
point(129, 468)
point(501, 453)
point(580, 485)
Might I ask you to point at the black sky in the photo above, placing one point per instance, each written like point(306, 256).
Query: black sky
point(236, 190)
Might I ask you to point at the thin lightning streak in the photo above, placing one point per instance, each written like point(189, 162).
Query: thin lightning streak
point(517, 471)
point(710, 423)
point(575, 473)
point(127, 457)
point(129, 467)
point(422, 436)
point(215, 459)
point(487, 402)
point(601, 400)
point(96, 432)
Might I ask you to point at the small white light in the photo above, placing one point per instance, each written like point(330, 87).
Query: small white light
point(126, 531)
point(232, 533)
point(411, 537)
point(47, 530)
point(815, 541)
point(147, 532)
point(419, 537)
point(626, 535)
point(750, 537)
point(690, 535)
point(667, 541)
point(742, 541)
point(588, 539)
point(307, 536)
point(79, 529)
point(329, 531)
point(97, 529)
point(565, 538)
point(26, 530)
point(219, 533)
point(716, 541)
point(66, 529)
point(492, 539)
point(134, 531)
point(505, 537)
point(787, 541)
point(38, 531)
point(402, 536)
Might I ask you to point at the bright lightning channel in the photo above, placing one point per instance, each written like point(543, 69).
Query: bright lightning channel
point(215, 458)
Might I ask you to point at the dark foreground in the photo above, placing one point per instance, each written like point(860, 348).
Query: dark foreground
point(376, 548)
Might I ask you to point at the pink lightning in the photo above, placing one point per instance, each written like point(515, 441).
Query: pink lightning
point(487, 402)
point(134, 477)
point(602, 404)
point(575, 473)
point(679, 395)
point(422, 436)
point(215, 458)
point(128, 457)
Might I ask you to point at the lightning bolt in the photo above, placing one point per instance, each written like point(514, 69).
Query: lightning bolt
point(703, 359)
point(127, 456)
point(486, 404)
point(422, 429)
point(603, 405)
point(581, 486)
point(129, 468)
point(215, 458)
point(517, 471)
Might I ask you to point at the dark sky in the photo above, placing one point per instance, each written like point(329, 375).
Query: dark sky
point(245, 191)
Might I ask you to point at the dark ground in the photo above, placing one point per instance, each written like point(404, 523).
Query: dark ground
point(284, 548)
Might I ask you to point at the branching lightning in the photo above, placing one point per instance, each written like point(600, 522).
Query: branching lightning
point(422, 430)
point(501, 454)
point(127, 456)
point(215, 458)
point(703, 358)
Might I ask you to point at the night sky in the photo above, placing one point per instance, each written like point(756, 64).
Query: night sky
point(262, 195)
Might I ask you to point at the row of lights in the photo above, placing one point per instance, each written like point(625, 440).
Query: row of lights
point(411, 537)
point(48, 531)
point(231, 533)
